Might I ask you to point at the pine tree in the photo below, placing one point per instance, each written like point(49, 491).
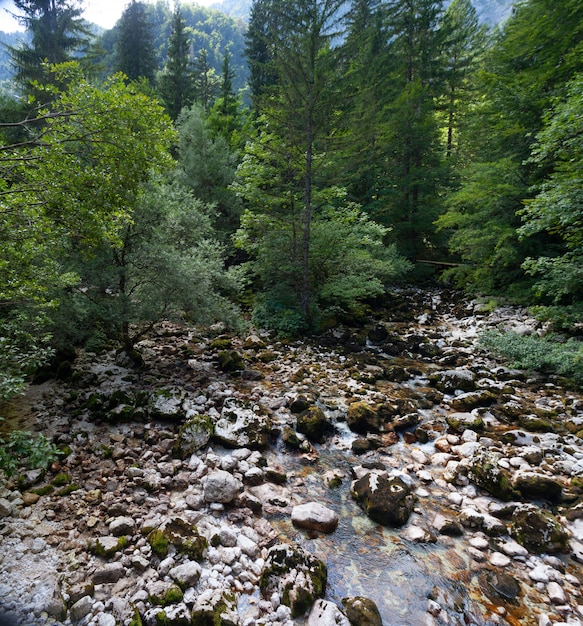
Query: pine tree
point(58, 33)
point(225, 117)
point(206, 82)
point(176, 82)
point(136, 57)
point(414, 170)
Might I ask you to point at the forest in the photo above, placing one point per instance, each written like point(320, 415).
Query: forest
point(285, 173)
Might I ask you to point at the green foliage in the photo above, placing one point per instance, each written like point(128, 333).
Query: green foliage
point(545, 354)
point(136, 56)
point(556, 209)
point(164, 265)
point(22, 449)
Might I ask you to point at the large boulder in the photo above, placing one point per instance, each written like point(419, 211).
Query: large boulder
point(194, 434)
point(362, 611)
point(168, 404)
point(386, 500)
point(183, 535)
point(450, 381)
point(242, 425)
point(538, 530)
point(537, 485)
point(314, 424)
point(484, 471)
point(297, 576)
point(361, 418)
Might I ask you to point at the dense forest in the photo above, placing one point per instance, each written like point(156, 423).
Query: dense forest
point(175, 168)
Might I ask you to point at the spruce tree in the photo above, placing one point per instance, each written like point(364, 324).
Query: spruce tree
point(136, 57)
point(176, 82)
point(58, 33)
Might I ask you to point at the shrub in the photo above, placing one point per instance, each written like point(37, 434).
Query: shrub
point(544, 354)
point(23, 449)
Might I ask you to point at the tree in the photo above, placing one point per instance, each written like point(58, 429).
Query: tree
point(530, 63)
point(556, 208)
point(225, 117)
point(465, 46)
point(205, 81)
point(136, 56)
point(206, 166)
point(258, 49)
point(58, 33)
point(71, 187)
point(176, 82)
point(415, 168)
point(165, 264)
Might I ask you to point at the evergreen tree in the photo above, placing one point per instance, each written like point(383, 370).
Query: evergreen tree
point(465, 46)
point(365, 97)
point(176, 82)
point(206, 83)
point(225, 117)
point(258, 48)
point(58, 33)
point(414, 174)
point(136, 57)
point(532, 61)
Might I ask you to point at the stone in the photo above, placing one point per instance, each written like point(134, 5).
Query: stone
point(501, 585)
point(81, 609)
point(242, 425)
point(186, 574)
point(485, 471)
point(387, 501)
point(556, 593)
point(179, 533)
point(215, 606)
point(167, 404)
point(535, 485)
point(449, 381)
point(361, 611)
point(314, 424)
point(122, 526)
point(538, 530)
point(194, 434)
point(361, 418)
point(447, 526)
point(221, 486)
point(314, 516)
point(460, 422)
point(5, 508)
point(298, 577)
point(326, 613)
point(231, 361)
point(108, 546)
point(109, 573)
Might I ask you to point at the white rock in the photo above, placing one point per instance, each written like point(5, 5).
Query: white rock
point(220, 486)
point(314, 516)
point(499, 560)
point(326, 613)
point(556, 593)
point(187, 574)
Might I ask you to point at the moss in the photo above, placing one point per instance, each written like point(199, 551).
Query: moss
point(65, 491)
point(221, 343)
point(159, 542)
point(173, 595)
point(43, 491)
point(136, 619)
point(99, 550)
point(61, 479)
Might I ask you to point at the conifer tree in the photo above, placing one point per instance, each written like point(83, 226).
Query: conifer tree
point(58, 33)
point(136, 57)
point(205, 81)
point(176, 82)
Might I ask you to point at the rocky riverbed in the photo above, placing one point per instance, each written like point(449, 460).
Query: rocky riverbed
point(392, 473)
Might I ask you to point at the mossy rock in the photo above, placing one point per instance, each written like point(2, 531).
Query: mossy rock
point(299, 577)
point(459, 422)
point(170, 595)
point(538, 530)
point(61, 479)
point(290, 438)
point(159, 543)
point(314, 424)
point(69, 489)
point(485, 472)
point(182, 535)
point(45, 490)
point(231, 361)
point(193, 435)
point(361, 418)
point(221, 343)
point(107, 547)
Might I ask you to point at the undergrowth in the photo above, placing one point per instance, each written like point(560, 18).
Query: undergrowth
point(549, 354)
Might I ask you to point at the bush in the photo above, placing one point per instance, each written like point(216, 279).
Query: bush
point(24, 450)
point(544, 354)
